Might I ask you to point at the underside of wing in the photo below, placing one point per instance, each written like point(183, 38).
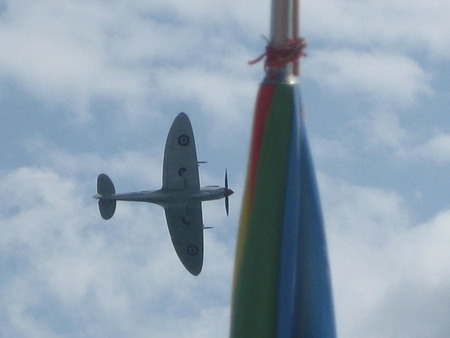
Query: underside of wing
point(185, 224)
point(180, 169)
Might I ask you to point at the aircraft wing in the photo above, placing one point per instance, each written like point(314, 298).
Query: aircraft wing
point(180, 168)
point(185, 224)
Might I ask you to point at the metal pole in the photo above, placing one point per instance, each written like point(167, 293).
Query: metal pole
point(282, 23)
point(284, 28)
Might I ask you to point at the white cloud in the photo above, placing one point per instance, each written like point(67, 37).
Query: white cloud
point(380, 77)
point(437, 149)
point(107, 277)
point(67, 52)
point(390, 274)
point(410, 25)
point(64, 269)
point(62, 52)
point(221, 96)
point(384, 129)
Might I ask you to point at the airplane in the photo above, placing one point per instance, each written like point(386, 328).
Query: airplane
point(180, 195)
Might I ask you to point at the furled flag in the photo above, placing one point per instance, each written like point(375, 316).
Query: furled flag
point(281, 280)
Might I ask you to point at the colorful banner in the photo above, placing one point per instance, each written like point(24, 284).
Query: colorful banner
point(281, 279)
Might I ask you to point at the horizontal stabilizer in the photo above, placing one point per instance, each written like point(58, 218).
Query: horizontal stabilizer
point(105, 188)
point(107, 208)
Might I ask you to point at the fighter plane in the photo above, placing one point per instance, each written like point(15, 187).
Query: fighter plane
point(180, 195)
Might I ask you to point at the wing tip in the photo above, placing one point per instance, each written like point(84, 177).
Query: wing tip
point(182, 116)
point(195, 272)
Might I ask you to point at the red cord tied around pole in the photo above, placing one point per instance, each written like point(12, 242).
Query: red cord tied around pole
point(292, 50)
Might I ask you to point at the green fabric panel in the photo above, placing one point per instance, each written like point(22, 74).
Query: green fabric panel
point(254, 312)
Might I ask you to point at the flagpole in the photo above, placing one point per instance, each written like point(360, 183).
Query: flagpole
point(285, 46)
point(282, 25)
point(281, 278)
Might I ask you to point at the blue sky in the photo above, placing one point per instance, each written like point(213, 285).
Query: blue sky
point(92, 86)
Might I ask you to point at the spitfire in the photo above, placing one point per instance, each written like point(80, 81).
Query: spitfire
point(180, 195)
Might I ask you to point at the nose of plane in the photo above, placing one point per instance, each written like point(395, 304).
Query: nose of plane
point(228, 192)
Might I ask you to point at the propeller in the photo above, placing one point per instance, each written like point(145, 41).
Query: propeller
point(228, 192)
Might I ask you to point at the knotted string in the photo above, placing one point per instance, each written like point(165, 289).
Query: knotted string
point(291, 51)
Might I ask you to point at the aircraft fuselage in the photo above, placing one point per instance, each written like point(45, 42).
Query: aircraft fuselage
point(170, 197)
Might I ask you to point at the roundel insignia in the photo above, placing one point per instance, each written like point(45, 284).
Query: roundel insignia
point(183, 140)
point(192, 250)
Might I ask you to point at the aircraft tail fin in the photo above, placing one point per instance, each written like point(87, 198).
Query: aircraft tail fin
point(105, 188)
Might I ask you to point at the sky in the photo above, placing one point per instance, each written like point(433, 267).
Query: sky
point(92, 86)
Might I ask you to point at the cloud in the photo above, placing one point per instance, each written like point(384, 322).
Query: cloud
point(221, 96)
point(62, 52)
point(379, 77)
point(74, 53)
point(383, 129)
point(125, 69)
point(403, 25)
point(389, 272)
point(65, 270)
point(437, 149)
